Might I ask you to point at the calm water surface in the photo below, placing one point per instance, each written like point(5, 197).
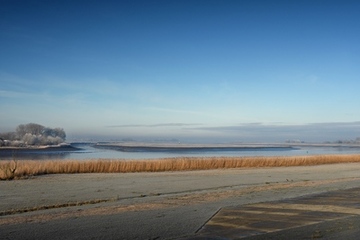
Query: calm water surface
point(86, 152)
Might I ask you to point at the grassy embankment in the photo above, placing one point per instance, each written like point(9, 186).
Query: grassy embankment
point(22, 169)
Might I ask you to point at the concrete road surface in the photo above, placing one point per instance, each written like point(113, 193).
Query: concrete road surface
point(170, 205)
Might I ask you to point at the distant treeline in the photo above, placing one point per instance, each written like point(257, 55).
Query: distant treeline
point(32, 134)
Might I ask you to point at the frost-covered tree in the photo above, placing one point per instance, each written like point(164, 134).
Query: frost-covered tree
point(32, 128)
point(59, 132)
point(8, 136)
point(33, 134)
point(31, 139)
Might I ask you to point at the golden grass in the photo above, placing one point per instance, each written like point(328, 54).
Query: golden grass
point(27, 168)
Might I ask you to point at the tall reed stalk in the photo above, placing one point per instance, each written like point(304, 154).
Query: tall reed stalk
point(27, 168)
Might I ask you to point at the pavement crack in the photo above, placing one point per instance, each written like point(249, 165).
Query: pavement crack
point(54, 206)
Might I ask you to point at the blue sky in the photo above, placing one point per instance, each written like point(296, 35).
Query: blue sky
point(191, 70)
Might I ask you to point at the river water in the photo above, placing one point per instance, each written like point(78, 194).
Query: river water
point(87, 152)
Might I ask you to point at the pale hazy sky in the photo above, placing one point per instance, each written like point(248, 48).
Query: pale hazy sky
point(192, 70)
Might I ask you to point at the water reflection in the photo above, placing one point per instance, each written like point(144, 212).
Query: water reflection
point(33, 154)
point(87, 151)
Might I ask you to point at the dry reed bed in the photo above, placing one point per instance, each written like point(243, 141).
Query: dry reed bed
point(27, 168)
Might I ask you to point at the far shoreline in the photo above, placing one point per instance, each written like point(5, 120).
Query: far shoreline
point(178, 146)
point(146, 146)
point(40, 148)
